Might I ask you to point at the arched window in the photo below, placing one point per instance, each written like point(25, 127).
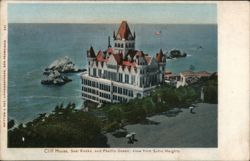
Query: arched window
point(122, 45)
point(118, 44)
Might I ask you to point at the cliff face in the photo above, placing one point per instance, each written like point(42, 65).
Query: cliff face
point(63, 65)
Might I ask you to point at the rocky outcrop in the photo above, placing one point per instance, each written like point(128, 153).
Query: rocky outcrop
point(54, 73)
point(53, 77)
point(175, 53)
point(63, 65)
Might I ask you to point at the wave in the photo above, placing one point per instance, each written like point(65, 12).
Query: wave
point(30, 72)
point(78, 90)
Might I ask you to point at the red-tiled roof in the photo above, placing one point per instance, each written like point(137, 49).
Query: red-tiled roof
point(118, 58)
point(100, 57)
point(124, 32)
point(131, 53)
point(129, 64)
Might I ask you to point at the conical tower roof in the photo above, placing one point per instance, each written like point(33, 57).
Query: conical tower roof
point(124, 32)
point(91, 53)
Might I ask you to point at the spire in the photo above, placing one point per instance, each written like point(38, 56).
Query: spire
point(109, 46)
point(114, 34)
point(161, 52)
point(91, 53)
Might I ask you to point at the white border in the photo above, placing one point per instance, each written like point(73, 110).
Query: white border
point(233, 113)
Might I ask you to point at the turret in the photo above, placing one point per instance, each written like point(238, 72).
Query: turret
point(123, 39)
point(91, 57)
point(91, 53)
point(161, 59)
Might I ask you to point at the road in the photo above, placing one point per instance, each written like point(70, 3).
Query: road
point(183, 130)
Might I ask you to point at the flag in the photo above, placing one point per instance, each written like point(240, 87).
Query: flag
point(158, 33)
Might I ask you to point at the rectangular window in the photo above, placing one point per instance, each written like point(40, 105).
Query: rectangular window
point(119, 90)
point(125, 91)
point(114, 89)
point(113, 76)
point(100, 73)
point(120, 99)
point(126, 78)
point(120, 77)
point(94, 72)
point(105, 74)
point(132, 79)
point(108, 75)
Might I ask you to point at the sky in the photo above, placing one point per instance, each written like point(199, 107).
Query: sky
point(155, 13)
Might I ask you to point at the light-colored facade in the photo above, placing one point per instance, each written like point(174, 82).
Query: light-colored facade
point(189, 77)
point(121, 73)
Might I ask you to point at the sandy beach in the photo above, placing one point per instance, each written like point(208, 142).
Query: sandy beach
point(183, 130)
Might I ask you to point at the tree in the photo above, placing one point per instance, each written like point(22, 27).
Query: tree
point(71, 129)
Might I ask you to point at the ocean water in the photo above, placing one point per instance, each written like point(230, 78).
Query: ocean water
point(32, 47)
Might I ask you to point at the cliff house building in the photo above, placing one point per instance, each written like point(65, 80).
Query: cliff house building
point(121, 72)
